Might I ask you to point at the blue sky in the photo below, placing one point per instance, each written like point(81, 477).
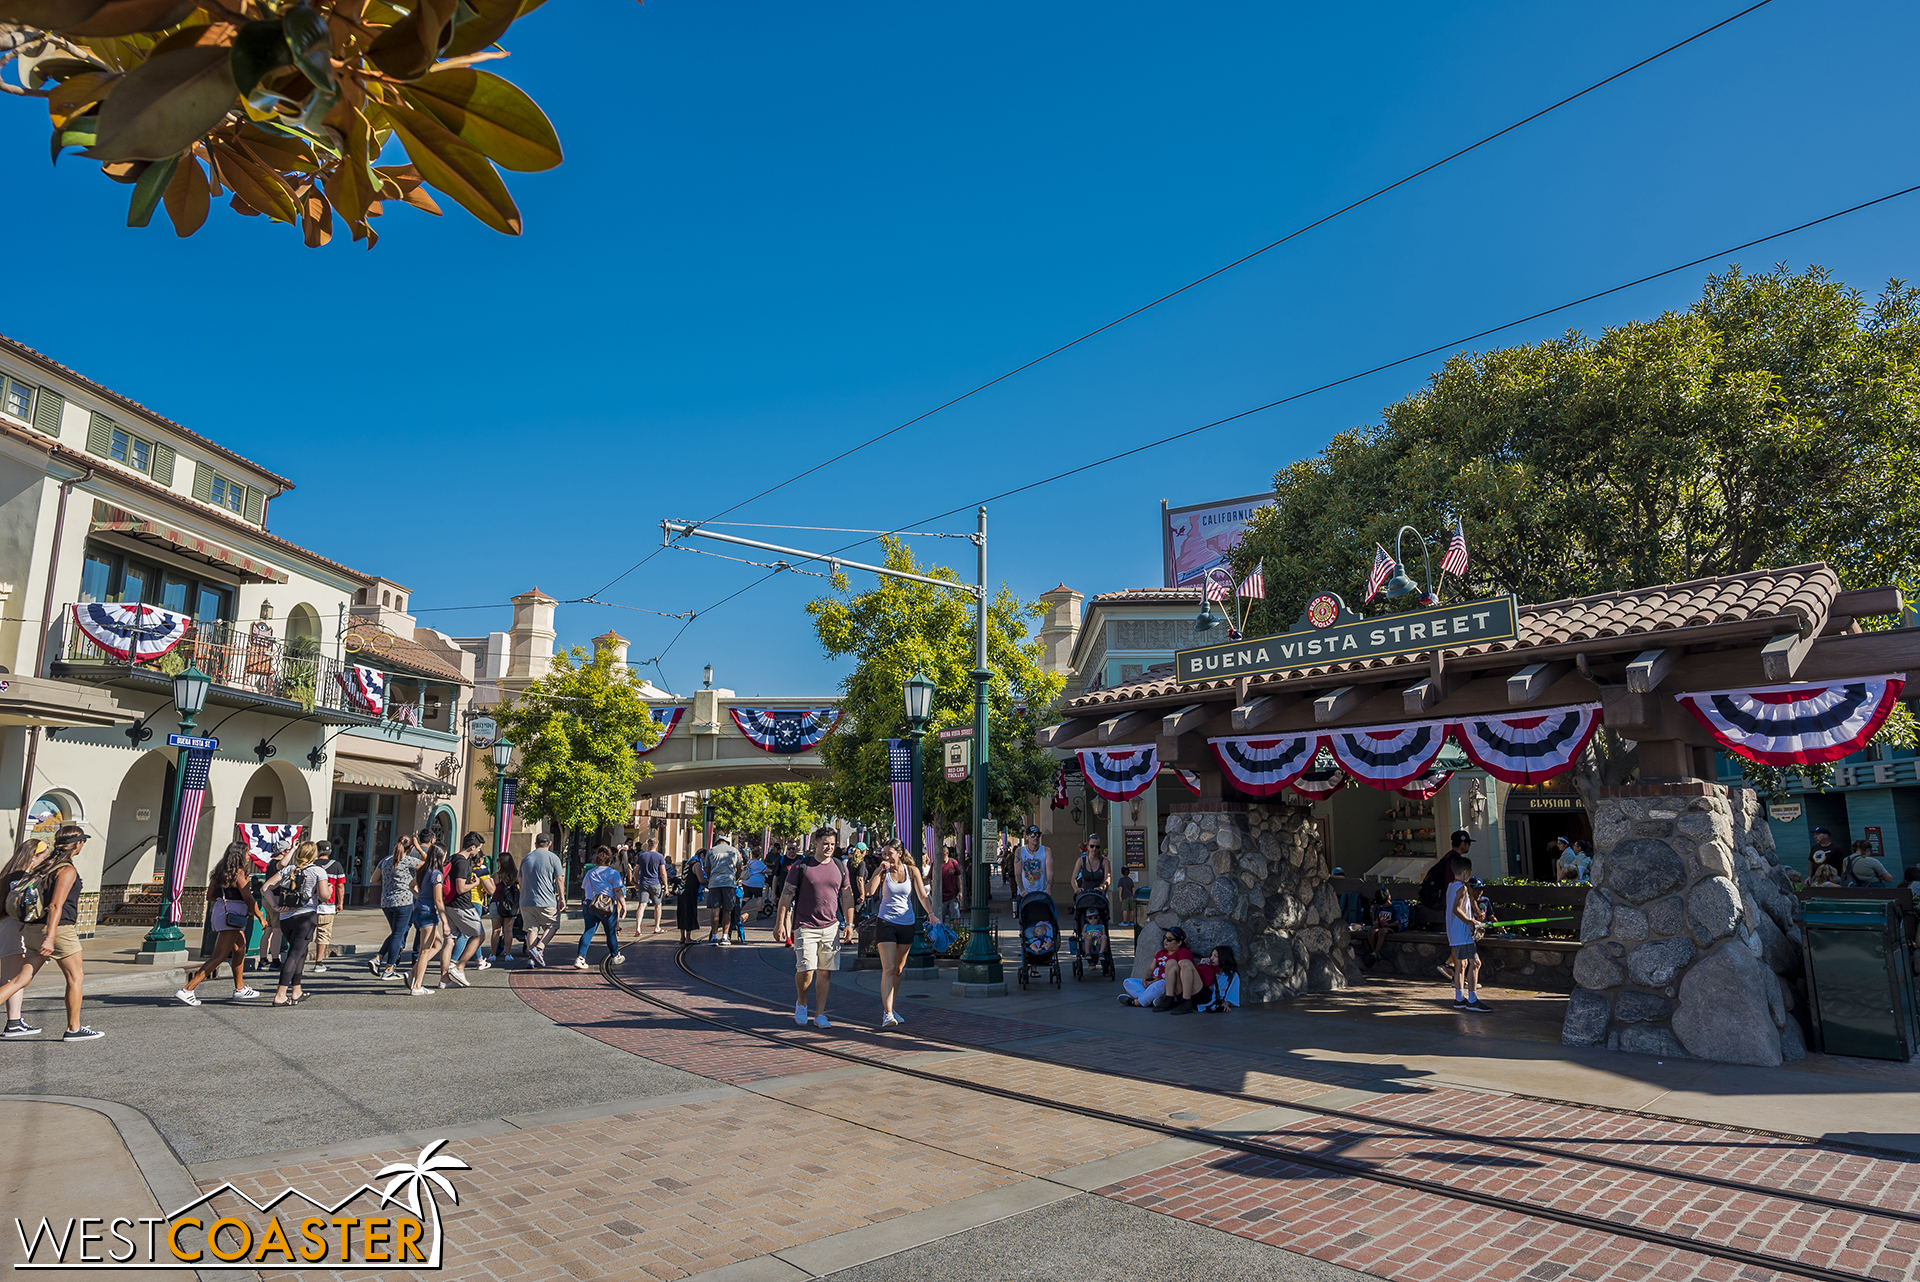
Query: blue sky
point(780, 229)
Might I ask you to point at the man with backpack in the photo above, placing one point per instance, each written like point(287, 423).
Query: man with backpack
point(818, 897)
point(723, 868)
point(1861, 868)
point(468, 889)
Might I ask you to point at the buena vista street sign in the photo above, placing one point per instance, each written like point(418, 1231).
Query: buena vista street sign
point(1345, 637)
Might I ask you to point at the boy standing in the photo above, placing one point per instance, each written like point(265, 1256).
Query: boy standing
point(1461, 922)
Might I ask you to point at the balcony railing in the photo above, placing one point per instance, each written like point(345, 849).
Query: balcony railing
point(235, 656)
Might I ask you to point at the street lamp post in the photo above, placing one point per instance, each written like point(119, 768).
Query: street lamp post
point(189, 697)
point(918, 694)
point(981, 964)
point(503, 797)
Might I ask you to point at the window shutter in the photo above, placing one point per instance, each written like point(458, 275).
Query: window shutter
point(203, 482)
point(47, 406)
point(162, 464)
point(99, 434)
point(256, 501)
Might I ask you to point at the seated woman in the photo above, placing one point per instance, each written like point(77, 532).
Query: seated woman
point(1382, 921)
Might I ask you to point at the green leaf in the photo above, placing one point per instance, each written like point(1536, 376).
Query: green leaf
point(455, 168)
point(480, 24)
point(311, 44)
point(259, 48)
point(48, 15)
point(147, 192)
point(78, 133)
point(493, 115)
point(165, 105)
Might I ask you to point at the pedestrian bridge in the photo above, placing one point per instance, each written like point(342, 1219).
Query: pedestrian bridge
point(706, 746)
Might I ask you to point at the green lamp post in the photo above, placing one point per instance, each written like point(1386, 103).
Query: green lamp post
point(503, 797)
point(917, 690)
point(189, 696)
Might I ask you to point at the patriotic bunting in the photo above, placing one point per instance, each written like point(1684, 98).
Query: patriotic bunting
point(131, 633)
point(264, 841)
point(1320, 782)
point(1797, 724)
point(667, 719)
point(1388, 756)
point(1188, 780)
point(1120, 774)
point(1426, 786)
point(1263, 766)
point(1059, 791)
point(365, 686)
point(1532, 748)
point(785, 730)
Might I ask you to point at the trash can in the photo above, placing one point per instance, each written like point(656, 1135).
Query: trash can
point(1858, 979)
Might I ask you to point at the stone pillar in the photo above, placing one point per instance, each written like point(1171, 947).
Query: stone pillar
point(1692, 937)
point(1251, 876)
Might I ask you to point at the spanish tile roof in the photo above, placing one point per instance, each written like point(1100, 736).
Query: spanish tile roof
point(385, 648)
point(21, 350)
point(1799, 597)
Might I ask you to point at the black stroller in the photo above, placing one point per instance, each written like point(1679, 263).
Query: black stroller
point(1039, 937)
point(1092, 918)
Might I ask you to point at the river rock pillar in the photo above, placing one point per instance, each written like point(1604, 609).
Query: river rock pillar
point(1692, 937)
point(1253, 877)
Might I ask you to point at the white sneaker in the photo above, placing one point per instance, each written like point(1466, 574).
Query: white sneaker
point(821, 1020)
point(800, 1014)
point(318, 970)
point(391, 974)
point(580, 963)
point(243, 994)
point(419, 992)
point(186, 998)
point(458, 977)
point(893, 1017)
point(619, 959)
point(485, 964)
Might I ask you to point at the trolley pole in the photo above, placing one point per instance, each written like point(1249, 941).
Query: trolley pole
point(981, 962)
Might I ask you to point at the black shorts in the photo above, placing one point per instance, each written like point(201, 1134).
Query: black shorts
point(892, 932)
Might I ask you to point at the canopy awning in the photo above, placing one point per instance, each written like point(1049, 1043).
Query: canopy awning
point(353, 773)
point(117, 520)
point(43, 701)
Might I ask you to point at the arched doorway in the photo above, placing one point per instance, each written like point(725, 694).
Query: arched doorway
point(445, 825)
point(133, 829)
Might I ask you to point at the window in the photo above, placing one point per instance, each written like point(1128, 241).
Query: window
point(131, 450)
point(17, 398)
point(230, 495)
point(110, 575)
point(263, 807)
point(213, 603)
point(96, 574)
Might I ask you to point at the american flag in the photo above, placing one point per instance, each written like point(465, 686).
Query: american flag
point(1455, 561)
point(1060, 791)
point(509, 790)
point(193, 792)
point(1255, 588)
point(1217, 587)
point(1378, 576)
point(900, 776)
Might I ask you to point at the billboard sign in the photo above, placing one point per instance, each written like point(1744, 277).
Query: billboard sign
point(1195, 539)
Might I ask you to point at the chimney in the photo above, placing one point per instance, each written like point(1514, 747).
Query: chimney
point(1062, 626)
point(531, 637)
point(611, 640)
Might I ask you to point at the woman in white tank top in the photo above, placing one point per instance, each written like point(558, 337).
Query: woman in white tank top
point(896, 883)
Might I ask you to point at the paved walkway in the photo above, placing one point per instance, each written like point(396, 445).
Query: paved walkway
point(611, 1139)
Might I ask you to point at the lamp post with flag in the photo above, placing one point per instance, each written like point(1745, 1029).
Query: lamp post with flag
point(165, 942)
point(917, 692)
point(505, 792)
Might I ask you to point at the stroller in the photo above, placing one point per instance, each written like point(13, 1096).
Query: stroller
point(1092, 917)
point(1039, 937)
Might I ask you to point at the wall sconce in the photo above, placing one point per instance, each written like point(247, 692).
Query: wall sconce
point(266, 608)
point(1136, 810)
point(1076, 815)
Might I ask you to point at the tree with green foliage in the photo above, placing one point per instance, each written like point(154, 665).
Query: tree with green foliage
point(1775, 422)
point(790, 809)
point(289, 105)
point(574, 731)
point(900, 627)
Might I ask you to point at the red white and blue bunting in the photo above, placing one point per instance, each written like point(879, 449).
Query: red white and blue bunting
point(264, 841)
point(785, 730)
point(1321, 781)
point(131, 633)
point(1388, 757)
point(1188, 779)
point(1788, 725)
point(1426, 786)
point(667, 719)
point(1119, 774)
point(1531, 748)
point(365, 686)
point(1262, 766)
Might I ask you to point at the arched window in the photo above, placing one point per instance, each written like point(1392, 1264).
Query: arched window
point(48, 813)
point(386, 598)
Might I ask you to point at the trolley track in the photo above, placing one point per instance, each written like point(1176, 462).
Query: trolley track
point(1370, 1170)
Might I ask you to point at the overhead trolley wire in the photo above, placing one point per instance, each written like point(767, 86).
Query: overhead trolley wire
point(1198, 281)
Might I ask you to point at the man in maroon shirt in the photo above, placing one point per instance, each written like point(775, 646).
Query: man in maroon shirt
point(818, 896)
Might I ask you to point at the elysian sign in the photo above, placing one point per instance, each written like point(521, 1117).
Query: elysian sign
point(1447, 627)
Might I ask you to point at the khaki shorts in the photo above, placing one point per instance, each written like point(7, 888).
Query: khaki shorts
point(322, 934)
point(816, 948)
point(66, 940)
point(534, 917)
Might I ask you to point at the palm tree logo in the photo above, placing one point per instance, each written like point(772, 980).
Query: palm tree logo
point(422, 1175)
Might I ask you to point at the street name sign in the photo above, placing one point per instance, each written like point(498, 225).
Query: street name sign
point(1387, 636)
point(207, 744)
point(957, 732)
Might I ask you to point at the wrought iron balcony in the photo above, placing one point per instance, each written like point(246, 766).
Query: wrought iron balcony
point(246, 662)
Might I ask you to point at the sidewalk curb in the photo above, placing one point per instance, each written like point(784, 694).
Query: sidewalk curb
point(164, 1173)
